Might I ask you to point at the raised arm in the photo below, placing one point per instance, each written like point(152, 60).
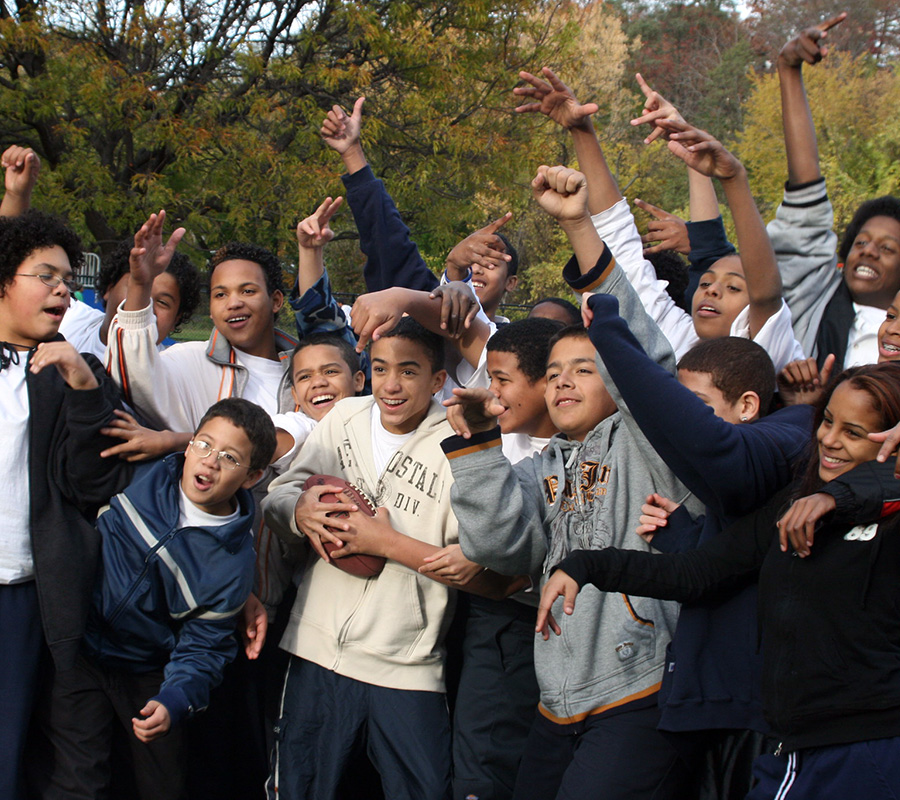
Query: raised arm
point(392, 258)
point(553, 98)
point(799, 131)
point(706, 155)
point(22, 166)
point(451, 310)
point(149, 259)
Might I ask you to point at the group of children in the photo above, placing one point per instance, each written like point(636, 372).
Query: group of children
point(680, 503)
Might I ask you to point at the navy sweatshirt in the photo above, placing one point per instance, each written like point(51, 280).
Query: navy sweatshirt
point(392, 258)
point(713, 669)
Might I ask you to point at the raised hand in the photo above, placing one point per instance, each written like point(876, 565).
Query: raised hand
point(67, 360)
point(472, 411)
point(314, 231)
point(561, 192)
point(656, 107)
point(483, 247)
point(806, 46)
point(340, 131)
point(149, 256)
point(667, 230)
point(553, 98)
point(559, 585)
point(22, 167)
point(802, 382)
point(700, 151)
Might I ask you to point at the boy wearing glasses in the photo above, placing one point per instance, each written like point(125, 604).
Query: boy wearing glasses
point(54, 404)
point(176, 569)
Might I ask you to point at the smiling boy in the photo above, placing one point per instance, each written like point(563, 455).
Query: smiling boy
point(600, 681)
point(177, 567)
point(376, 642)
point(55, 404)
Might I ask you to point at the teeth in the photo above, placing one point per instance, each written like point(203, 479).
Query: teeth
point(322, 398)
point(393, 402)
point(238, 319)
point(891, 348)
point(708, 308)
point(833, 460)
point(478, 284)
point(865, 272)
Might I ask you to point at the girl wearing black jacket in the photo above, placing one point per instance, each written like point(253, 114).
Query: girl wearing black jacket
point(829, 600)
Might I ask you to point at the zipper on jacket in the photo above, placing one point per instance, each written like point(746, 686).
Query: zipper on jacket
point(134, 585)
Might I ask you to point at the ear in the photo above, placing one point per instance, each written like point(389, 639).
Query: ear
point(359, 381)
point(277, 300)
point(512, 282)
point(252, 478)
point(438, 380)
point(748, 406)
point(294, 395)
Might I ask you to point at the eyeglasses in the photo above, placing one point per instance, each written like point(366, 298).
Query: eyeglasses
point(203, 449)
point(51, 280)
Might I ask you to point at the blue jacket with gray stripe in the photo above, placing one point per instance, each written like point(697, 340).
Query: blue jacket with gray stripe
point(167, 597)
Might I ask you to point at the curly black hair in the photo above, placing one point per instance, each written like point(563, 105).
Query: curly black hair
point(529, 341)
point(244, 251)
point(887, 206)
point(21, 236)
point(186, 275)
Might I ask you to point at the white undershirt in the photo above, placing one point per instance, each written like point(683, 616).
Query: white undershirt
point(519, 446)
point(862, 342)
point(263, 381)
point(189, 516)
point(16, 563)
point(385, 443)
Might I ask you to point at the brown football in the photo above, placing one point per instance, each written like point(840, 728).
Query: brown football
point(363, 566)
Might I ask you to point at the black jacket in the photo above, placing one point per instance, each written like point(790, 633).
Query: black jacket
point(830, 623)
point(68, 483)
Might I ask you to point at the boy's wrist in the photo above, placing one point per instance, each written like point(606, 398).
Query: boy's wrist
point(354, 158)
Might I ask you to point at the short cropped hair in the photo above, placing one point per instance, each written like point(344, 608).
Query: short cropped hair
point(348, 353)
point(186, 275)
point(570, 332)
point(512, 266)
point(243, 251)
point(433, 344)
point(887, 206)
point(250, 418)
point(529, 341)
point(34, 230)
point(734, 366)
point(573, 312)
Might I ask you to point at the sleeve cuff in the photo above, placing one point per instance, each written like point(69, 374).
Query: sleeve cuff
point(455, 446)
point(135, 320)
point(592, 280)
point(176, 703)
point(805, 194)
point(365, 175)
